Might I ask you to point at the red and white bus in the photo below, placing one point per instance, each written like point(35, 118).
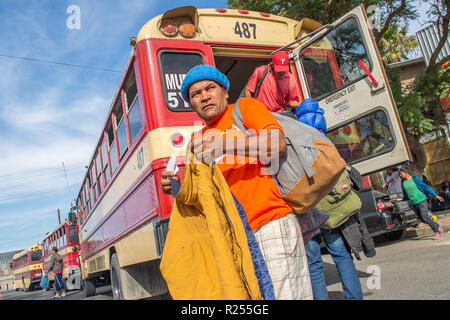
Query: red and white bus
point(27, 268)
point(65, 238)
point(123, 213)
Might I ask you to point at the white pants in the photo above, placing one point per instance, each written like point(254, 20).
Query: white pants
point(281, 244)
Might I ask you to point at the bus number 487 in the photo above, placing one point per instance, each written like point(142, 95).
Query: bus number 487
point(243, 29)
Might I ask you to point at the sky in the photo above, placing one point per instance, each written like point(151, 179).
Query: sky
point(51, 115)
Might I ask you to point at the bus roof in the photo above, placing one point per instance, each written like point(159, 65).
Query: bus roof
point(219, 25)
point(25, 251)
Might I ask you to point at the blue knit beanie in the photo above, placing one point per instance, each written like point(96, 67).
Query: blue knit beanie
point(203, 72)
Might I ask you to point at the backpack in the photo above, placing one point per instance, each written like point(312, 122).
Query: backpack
point(311, 167)
point(340, 203)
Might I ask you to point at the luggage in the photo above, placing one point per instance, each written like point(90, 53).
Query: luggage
point(44, 282)
point(311, 167)
point(340, 203)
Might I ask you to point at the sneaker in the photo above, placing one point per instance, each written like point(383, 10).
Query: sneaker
point(441, 229)
point(57, 296)
point(63, 294)
point(437, 236)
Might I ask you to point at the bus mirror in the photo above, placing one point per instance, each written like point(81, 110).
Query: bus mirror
point(11, 265)
point(133, 41)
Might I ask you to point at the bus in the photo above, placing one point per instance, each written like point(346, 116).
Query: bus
point(65, 238)
point(122, 211)
point(27, 268)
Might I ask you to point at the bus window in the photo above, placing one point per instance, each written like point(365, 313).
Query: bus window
point(332, 62)
point(104, 166)
point(73, 236)
point(121, 128)
point(174, 67)
point(133, 107)
point(94, 184)
point(112, 149)
point(64, 237)
point(98, 170)
point(363, 138)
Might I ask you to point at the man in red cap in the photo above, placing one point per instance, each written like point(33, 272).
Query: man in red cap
point(278, 88)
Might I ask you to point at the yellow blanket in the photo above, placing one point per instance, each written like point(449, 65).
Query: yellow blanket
point(206, 255)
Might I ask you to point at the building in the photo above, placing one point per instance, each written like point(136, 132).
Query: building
point(6, 272)
point(437, 143)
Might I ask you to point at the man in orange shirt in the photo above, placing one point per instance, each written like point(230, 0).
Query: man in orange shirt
point(242, 160)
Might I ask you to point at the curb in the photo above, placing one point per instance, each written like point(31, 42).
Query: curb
point(424, 230)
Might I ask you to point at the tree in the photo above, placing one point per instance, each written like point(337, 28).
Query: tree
point(419, 104)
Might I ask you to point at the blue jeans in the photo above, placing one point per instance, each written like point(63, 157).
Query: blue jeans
point(344, 264)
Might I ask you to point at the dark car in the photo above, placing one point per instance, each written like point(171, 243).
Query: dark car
point(386, 213)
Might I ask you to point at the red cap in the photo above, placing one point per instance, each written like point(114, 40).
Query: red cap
point(280, 61)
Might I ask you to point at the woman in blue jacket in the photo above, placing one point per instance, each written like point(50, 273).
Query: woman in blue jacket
point(418, 193)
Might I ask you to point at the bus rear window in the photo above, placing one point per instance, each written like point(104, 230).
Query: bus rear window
point(73, 235)
point(363, 138)
point(36, 256)
point(174, 67)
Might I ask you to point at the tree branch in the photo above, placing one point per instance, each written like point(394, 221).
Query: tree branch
point(392, 15)
point(445, 24)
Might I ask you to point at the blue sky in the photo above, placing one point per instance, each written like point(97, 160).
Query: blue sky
point(52, 114)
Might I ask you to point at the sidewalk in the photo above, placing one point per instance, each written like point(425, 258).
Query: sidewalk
point(424, 230)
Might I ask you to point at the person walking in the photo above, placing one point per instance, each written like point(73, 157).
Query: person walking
point(274, 85)
point(271, 219)
point(57, 266)
point(418, 193)
point(394, 182)
point(344, 231)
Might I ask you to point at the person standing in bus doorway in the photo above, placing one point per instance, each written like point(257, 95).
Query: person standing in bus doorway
point(271, 219)
point(274, 85)
point(418, 193)
point(57, 265)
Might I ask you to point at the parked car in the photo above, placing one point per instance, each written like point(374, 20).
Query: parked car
point(386, 214)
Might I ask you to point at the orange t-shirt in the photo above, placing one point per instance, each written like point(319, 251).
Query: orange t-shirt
point(257, 193)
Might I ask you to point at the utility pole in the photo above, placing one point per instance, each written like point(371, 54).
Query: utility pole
point(59, 217)
point(65, 175)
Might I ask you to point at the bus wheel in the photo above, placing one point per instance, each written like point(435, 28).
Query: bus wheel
point(116, 283)
point(88, 287)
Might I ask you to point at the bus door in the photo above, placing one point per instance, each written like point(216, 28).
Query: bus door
point(341, 68)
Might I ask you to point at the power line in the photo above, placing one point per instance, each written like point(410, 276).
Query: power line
point(37, 193)
point(59, 63)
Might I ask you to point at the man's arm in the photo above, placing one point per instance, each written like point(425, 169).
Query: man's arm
point(269, 144)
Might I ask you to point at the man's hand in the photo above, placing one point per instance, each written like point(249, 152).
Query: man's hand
point(165, 182)
point(440, 198)
point(207, 148)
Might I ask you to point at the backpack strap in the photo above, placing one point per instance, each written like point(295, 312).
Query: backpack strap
point(258, 85)
point(239, 119)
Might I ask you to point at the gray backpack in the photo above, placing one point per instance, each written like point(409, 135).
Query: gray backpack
point(311, 167)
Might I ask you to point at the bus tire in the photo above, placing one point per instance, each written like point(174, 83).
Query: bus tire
point(116, 283)
point(88, 287)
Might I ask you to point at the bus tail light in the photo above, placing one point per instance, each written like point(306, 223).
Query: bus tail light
point(169, 28)
point(381, 205)
point(186, 29)
point(177, 139)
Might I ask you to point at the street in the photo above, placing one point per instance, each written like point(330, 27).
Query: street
point(410, 269)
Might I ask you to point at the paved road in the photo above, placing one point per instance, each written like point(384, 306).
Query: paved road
point(409, 269)
point(103, 293)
